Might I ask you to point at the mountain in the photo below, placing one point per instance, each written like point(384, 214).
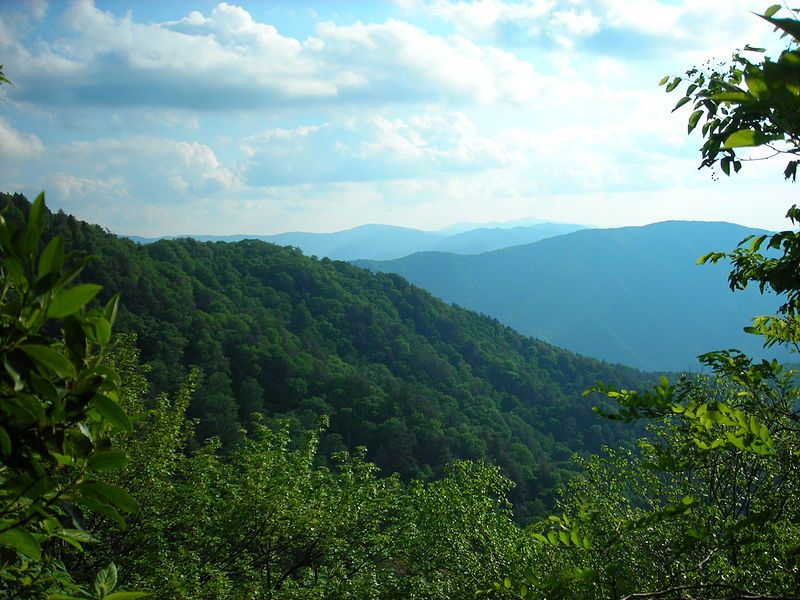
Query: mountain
point(478, 241)
point(632, 295)
point(416, 381)
point(385, 242)
point(464, 226)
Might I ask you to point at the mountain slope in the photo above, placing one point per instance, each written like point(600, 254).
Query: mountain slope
point(632, 295)
point(385, 242)
point(418, 382)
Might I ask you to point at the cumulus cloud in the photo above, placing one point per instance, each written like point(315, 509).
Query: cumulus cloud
point(158, 170)
point(611, 26)
point(228, 60)
point(17, 145)
point(371, 148)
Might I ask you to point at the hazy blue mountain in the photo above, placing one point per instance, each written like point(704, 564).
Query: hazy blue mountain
point(632, 295)
point(367, 241)
point(385, 242)
point(464, 226)
point(486, 239)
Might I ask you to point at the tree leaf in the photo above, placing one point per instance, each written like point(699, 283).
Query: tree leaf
point(21, 541)
point(53, 360)
point(107, 461)
point(681, 102)
point(745, 138)
point(5, 442)
point(112, 411)
point(675, 82)
point(789, 26)
point(104, 490)
point(36, 213)
point(72, 299)
point(52, 257)
point(106, 580)
point(694, 118)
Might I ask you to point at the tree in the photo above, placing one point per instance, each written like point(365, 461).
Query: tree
point(58, 411)
point(755, 105)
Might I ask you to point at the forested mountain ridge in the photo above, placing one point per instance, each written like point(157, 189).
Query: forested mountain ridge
point(385, 242)
point(632, 295)
point(418, 382)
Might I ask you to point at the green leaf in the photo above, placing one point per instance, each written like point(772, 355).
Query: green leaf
point(72, 299)
point(53, 360)
point(36, 213)
point(110, 310)
point(694, 119)
point(664, 80)
point(790, 26)
point(756, 85)
point(747, 137)
point(105, 490)
point(681, 102)
point(74, 537)
point(675, 83)
point(126, 595)
point(101, 508)
point(772, 10)
point(5, 442)
point(107, 461)
point(739, 97)
point(52, 258)
point(99, 331)
point(106, 580)
point(21, 541)
point(112, 411)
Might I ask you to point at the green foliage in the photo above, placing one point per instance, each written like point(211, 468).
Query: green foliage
point(755, 104)
point(746, 103)
point(708, 506)
point(416, 382)
point(698, 508)
point(58, 408)
point(268, 520)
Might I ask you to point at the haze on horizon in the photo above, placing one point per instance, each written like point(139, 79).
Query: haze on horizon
point(211, 118)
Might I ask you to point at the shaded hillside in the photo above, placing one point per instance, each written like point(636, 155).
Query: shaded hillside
point(384, 242)
point(416, 381)
point(632, 295)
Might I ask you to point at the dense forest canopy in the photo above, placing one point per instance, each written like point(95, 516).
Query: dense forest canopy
point(417, 382)
point(107, 483)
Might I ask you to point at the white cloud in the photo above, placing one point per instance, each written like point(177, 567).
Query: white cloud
point(487, 18)
point(133, 169)
point(229, 60)
point(699, 27)
point(17, 145)
point(70, 189)
point(374, 147)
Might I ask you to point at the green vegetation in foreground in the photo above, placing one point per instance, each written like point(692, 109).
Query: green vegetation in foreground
point(97, 485)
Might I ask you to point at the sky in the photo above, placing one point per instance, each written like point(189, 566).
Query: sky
point(198, 117)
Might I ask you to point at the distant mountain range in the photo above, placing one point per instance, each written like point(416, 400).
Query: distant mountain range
point(385, 242)
point(632, 295)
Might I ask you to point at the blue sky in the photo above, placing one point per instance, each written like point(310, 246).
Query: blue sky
point(165, 118)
